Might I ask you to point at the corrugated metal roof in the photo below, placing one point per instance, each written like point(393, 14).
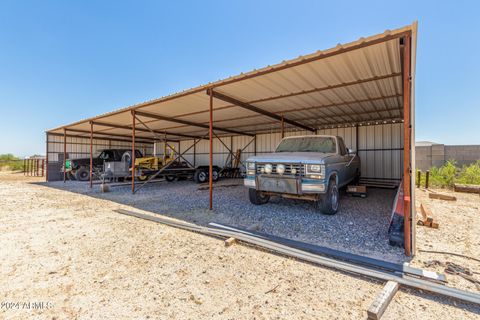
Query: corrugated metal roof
point(358, 82)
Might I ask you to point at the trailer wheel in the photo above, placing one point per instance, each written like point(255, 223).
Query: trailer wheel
point(200, 176)
point(82, 174)
point(215, 175)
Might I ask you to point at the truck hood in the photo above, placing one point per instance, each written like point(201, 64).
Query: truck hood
point(292, 157)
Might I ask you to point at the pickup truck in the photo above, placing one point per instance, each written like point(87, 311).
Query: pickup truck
point(80, 168)
point(303, 167)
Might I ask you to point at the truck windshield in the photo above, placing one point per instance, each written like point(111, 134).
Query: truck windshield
point(308, 144)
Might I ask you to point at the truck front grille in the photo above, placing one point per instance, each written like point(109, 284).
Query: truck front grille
point(288, 169)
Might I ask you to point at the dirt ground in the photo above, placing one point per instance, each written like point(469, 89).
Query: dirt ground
point(84, 261)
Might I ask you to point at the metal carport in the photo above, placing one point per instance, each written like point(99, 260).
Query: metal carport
point(351, 88)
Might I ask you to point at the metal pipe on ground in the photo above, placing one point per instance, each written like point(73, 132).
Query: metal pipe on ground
point(419, 284)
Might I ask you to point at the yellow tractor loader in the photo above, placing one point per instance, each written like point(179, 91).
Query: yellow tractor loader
point(147, 165)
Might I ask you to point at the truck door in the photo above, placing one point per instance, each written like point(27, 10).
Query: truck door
point(344, 172)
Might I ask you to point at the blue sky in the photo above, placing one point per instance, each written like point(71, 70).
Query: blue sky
point(61, 61)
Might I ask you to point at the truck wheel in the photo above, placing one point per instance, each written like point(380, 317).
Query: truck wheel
point(142, 178)
point(82, 174)
point(127, 157)
point(257, 197)
point(200, 176)
point(329, 203)
point(215, 175)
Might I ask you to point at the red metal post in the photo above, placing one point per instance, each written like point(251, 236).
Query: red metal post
point(46, 158)
point(43, 167)
point(133, 151)
point(210, 178)
point(32, 167)
point(283, 128)
point(37, 169)
point(64, 155)
point(407, 145)
point(24, 166)
point(91, 154)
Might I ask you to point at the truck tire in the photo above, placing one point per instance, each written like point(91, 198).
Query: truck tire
point(82, 174)
point(215, 175)
point(127, 157)
point(257, 197)
point(200, 176)
point(329, 202)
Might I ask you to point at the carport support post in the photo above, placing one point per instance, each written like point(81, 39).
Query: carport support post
point(407, 145)
point(283, 128)
point(64, 155)
point(133, 151)
point(195, 152)
point(91, 154)
point(210, 171)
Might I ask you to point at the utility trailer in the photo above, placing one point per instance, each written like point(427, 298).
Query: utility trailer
point(178, 170)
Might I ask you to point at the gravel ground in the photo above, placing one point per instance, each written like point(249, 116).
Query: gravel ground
point(360, 226)
point(89, 262)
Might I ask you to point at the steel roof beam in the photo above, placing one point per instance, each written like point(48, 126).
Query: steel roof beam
point(109, 134)
point(188, 123)
point(250, 107)
point(105, 124)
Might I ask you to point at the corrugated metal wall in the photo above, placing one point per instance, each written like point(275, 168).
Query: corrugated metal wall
point(380, 148)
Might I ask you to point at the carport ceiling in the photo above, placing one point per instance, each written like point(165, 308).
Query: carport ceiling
point(355, 83)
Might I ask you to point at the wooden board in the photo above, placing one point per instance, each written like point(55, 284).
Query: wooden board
point(381, 302)
point(441, 196)
point(469, 188)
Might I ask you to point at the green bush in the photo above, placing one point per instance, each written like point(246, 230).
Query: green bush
point(470, 174)
point(10, 162)
point(448, 174)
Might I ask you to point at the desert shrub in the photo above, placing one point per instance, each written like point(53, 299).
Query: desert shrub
point(443, 176)
point(470, 174)
point(448, 174)
point(10, 162)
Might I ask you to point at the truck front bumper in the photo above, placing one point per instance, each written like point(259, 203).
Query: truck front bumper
point(282, 184)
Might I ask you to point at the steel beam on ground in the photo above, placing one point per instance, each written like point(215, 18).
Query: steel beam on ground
point(344, 266)
point(250, 107)
point(189, 123)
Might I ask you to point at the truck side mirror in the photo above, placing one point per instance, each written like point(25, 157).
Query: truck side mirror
point(350, 152)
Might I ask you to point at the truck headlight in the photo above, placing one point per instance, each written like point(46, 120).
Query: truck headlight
point(280, 168)
point(268, 168)
point(315, 171)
